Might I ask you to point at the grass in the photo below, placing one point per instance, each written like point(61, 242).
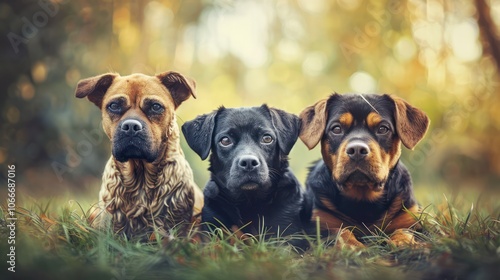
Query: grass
point(54, 241)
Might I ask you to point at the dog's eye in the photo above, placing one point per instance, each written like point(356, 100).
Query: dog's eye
point(157, 108)
point(267, 139)
point(382, 129)
point(114, 107)
point(337, 129)
point(225, 141)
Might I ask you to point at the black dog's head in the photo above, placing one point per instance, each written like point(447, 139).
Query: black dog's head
point(249, 145)
point(360, 138)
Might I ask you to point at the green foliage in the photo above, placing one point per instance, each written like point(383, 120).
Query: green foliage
point(460, 242)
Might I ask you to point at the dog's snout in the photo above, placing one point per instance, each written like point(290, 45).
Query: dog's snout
point(248, 163)
point(131, 126)
point(357, 150)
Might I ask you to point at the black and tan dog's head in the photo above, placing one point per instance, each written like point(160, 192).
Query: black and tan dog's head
point(249, 146)
point(137, 110)
point(361, 138)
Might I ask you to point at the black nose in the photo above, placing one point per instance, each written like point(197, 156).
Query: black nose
point(131, 126)
point(248, 163)
point(357, 150)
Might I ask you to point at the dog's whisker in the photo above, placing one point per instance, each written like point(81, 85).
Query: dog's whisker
point(373, 107)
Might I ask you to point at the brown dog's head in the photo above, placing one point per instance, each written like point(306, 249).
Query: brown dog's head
point(361, 138)
point(137, 110)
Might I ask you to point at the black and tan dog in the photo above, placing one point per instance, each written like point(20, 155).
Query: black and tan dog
point(361, 184)
point(251, 186)
point(147, 183)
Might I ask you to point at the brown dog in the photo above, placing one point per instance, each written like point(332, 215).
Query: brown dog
point(147, 183)
point(361, 184)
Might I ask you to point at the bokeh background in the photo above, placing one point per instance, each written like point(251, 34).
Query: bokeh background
point(440, 55)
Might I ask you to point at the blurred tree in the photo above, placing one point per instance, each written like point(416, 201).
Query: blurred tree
point(488, 30)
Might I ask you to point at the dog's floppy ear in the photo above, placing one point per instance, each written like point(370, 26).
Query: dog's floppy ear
point(287, 128)
point(411, 123)
point(313, 120)
point(180, 87)
point(198, 133)
point(94, 88)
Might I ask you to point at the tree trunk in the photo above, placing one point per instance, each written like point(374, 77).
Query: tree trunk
point(488, 31)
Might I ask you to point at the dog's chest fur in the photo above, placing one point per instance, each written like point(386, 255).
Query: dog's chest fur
point(141, 196)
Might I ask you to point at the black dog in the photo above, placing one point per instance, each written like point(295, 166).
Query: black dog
point(251, 186)
point(361, 182)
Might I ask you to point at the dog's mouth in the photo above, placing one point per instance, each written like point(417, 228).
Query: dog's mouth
point(249, 186)
point(359, 178)
point(361, 186)
point(132, 148)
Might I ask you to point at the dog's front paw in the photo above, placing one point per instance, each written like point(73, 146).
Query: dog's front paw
point(346, 239)
point(403, 238)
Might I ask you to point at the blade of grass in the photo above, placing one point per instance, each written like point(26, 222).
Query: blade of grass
point(467, 219)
